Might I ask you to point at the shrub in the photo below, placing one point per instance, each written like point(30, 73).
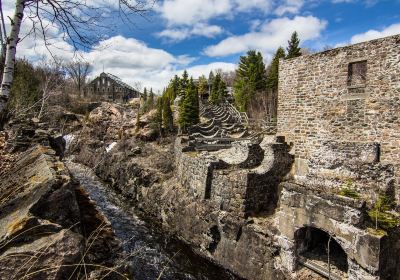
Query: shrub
point(381, 214)
point(349, 190)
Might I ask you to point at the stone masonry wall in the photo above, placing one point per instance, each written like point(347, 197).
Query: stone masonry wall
point(341, 218)
point(347, 99)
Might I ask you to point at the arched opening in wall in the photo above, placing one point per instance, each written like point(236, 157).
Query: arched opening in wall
point(320, 252)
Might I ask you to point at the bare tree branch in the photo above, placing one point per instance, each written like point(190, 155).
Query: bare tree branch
point(79, 23)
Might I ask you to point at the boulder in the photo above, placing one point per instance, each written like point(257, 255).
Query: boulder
point(46, 220)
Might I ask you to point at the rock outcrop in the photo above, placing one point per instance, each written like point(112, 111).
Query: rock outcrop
point(47, 222)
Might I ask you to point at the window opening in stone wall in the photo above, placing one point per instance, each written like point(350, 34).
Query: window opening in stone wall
point(357, 74)
point(313, 246)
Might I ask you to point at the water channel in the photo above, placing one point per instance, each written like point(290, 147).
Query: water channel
point(155, 255)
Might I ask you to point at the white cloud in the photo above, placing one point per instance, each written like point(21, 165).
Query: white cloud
point(35, 47)
point(130, 59)
point(269, 37)
point(133, 61)
point(182, 16)
point(289, 7)
point(198, 70)
point(367, 3)
point(248, 5)
point(199, 29)
point(375, 34)
point(189, 12)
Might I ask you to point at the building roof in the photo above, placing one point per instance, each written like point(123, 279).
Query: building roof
point(117, 80)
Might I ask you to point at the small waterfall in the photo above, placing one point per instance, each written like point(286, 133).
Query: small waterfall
point(68, 140)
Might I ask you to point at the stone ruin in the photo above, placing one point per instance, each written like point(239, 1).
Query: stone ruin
point(338, 122)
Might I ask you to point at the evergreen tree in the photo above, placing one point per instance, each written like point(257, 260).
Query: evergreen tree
point(214, 96)
point(175, 88)
point(150, 100)
point(250, 77)
point(293, 49)
point(211, 77)
point(170, 92)
point(168, 119)
point(184, 82)
point(273, 74)
point(243, 93)
point(222, 91)
point(145, 94)
point(189, 108)
point(158, 119)
point(203, 86)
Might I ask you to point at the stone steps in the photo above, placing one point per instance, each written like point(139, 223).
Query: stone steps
point(223, 122)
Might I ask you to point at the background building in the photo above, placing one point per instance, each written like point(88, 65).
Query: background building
point(111, 88)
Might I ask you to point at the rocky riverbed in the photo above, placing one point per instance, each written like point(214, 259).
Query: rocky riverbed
point(151, 254)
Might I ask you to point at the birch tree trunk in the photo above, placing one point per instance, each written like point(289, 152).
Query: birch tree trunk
point(9, 64)
point(3, 32)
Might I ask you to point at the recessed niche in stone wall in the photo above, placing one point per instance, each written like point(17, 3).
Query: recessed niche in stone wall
point(357, 74)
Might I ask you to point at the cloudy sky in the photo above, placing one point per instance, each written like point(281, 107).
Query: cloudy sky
point(202, 35)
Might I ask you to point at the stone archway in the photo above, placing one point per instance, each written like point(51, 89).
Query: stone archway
point(318, 250)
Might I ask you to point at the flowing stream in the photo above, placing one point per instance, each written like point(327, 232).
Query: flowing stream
point(155, 255)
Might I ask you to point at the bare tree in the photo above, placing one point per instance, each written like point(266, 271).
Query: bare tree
point(52, 81)
point(78, 70)
point(138, 86)
point(78, 20)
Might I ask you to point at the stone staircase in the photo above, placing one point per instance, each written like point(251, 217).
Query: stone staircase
point(222, 125)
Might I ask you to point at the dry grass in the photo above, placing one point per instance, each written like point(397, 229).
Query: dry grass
point(80, 269)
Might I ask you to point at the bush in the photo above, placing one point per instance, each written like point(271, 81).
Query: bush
point(380, 214)
point(349, 190)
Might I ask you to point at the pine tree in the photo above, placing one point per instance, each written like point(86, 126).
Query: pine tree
point(150, 100)
point(189, 108)
point(293, 49)
point(175, 88)
point(159, 114)
point(168, 119)
point(211, 77)
point(184, 82)
point(243, 93)
point(145, 94)
point(214, 96)
point(222, 92)
point(273, 74)
point(203, 86)
point(250, 77)
point(170, 93)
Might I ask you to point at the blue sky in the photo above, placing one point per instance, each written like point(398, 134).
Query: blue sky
point(201, 35)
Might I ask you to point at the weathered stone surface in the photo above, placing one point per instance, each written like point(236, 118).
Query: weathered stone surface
point(46, 222)
point(340, 131)
point(49, 257)
point(365, 250)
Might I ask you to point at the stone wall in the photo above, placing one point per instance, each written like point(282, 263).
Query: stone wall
point(194, 169)
point(242, 180)
point(340, 110)
point(342, 218)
